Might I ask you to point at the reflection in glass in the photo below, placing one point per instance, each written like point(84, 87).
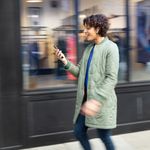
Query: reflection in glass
point(45, 24)
point(140, 36)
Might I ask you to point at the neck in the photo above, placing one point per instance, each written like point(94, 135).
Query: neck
point(99, 40)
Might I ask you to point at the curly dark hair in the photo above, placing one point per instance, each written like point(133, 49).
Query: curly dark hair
point(98, 21)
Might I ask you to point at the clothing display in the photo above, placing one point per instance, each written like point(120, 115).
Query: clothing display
point(34, 58)
point(60, 72)
point(143, 30)
point(71, 53)
point(41, 57)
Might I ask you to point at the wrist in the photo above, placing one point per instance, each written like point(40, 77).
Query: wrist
point(65, 62)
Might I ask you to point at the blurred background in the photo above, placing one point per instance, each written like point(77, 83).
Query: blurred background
point(37, 95)
point(49, 22)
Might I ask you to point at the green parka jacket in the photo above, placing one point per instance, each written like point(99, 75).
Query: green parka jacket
point(102, 80)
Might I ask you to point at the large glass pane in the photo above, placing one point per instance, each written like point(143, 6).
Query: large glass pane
point(45, 23)
point(115, 11)
point(140, 40)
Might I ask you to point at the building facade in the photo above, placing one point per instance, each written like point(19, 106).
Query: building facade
point(37, 95)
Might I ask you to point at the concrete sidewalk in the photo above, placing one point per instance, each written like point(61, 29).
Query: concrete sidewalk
point(130, 141)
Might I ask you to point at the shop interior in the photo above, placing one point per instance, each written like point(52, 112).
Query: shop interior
point(45, 23)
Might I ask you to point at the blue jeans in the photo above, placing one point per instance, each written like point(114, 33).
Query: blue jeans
point(80, 131)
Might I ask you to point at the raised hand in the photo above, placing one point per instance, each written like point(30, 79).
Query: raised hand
point(60, 55)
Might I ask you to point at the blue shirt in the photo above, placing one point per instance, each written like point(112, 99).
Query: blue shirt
point(87, 68)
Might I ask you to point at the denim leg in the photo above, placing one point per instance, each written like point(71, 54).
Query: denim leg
point(80, 131)
point(105, 136)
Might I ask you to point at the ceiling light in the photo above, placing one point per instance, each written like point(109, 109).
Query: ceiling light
point(82, 16)
point(34, 1)
point(33, 16)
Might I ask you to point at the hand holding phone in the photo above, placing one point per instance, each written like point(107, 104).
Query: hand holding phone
point(60, 55)
point(57, 51)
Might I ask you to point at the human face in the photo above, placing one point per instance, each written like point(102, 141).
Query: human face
point(90, 33)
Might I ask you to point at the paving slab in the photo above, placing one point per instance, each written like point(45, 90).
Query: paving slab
point(130, 141)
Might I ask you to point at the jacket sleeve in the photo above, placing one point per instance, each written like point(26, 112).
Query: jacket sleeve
point(111, 73)
point(74, 69)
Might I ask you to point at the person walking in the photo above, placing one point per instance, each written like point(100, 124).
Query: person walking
point(97, 73)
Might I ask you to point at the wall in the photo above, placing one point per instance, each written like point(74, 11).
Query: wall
point(10, 125)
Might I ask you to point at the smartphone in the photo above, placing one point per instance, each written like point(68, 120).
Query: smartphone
point(58, 48)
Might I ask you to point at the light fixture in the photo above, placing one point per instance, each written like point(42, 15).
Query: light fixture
point(82, 16)
point(33, 16)
point(139, 0)
point(34, 1)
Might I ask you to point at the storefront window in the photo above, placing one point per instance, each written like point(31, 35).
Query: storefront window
point(140, 40)
point(117, 32)
point(45, 23)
